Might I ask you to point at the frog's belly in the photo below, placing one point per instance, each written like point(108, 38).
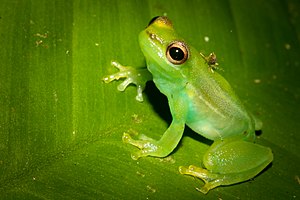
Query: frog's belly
point(214, 125)
point(218, 131)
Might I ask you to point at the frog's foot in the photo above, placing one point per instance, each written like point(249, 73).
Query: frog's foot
point(211, 180)
point(137, 76)
point(147, 146)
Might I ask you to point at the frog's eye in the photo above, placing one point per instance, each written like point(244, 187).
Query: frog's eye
point(177, 53)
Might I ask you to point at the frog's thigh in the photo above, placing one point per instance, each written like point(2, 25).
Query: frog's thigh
point(230, 161)
point(236, 160)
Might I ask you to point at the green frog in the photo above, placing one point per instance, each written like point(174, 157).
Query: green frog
point(199, 98)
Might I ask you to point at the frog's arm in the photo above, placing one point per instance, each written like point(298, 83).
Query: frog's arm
point(169, 140)
point(137, 76)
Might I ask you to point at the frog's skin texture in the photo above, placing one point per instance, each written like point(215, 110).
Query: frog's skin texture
point(199, 98)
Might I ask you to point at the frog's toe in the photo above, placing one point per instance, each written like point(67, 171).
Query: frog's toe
point(129, 140)
point(108, 78)
point(123, 73)
point(203, 189)
point(183, 170)
point(139, 96)
point(147, 146)
point(138, 154)
point(195, 171)
point(124, 84)
point(118, 65)
point(112, 77)
point(211, 180)
point(126, 138)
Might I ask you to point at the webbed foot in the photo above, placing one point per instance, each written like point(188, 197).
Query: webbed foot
point(147, 146)
point(137, 76)
point(211, 180)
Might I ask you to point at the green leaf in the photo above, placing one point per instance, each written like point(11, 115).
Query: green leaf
point(61, 127)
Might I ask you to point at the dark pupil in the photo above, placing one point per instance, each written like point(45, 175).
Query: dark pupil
point(176, 53)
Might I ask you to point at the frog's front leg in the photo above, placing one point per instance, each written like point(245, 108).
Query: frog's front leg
point(160, 148)
point(137, 76)
point(169, 140)
point(230, 161)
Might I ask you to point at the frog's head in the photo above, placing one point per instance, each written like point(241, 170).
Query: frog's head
point(166, 53)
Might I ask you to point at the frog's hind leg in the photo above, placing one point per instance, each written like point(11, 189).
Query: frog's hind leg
point(230, 161)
